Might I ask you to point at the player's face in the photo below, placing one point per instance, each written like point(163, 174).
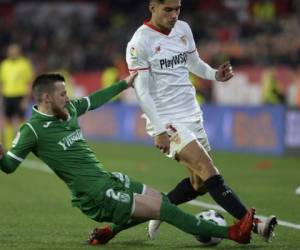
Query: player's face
point(13, 51)
point(59, 100)
point(165, 15)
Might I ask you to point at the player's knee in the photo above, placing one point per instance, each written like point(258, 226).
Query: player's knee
point(203, 165)
point(196, 184)
point(152, 192)
point(205, 170)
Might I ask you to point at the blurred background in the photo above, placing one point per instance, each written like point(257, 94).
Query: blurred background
point(252, 121)
point(257, 111)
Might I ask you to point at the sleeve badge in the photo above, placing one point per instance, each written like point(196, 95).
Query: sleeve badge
point(133, 53)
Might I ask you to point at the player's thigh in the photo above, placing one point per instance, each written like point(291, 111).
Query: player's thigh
point(196, 158)
point(118, 205)
point(194, 153)
point(136, 186)
point(196, 180)
point(121, 204)
point(186, 132)
point(112, 203)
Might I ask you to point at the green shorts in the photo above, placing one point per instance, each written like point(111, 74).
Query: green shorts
point(115, 201)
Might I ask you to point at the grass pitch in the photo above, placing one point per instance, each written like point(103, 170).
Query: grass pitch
point(36, 213)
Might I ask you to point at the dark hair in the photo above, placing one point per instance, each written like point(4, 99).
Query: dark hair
point(45, 84)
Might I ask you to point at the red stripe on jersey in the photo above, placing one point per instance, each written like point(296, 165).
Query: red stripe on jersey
point(146, 22)
point(131, 70)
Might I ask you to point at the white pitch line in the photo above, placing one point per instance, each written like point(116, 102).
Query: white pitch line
point(37, 165)
point(216, 207)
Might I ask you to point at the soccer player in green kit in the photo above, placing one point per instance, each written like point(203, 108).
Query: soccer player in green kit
point(53, 135)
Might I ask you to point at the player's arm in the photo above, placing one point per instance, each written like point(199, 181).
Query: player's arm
point(141, 87)
point(146, 103)
point(137, 60)
point(23, 144)
point(194, 63)
point(199, 68)
point(136, 57)
point(100, 97)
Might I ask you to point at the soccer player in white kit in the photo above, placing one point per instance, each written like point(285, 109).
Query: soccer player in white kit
point(163, 51)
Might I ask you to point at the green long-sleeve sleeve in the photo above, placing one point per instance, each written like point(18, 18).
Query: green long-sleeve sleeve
point(14, 157)
point(8, 164)
point(102, 96)
point(98, 98)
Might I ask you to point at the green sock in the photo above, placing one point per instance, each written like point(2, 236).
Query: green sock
point(189, 223)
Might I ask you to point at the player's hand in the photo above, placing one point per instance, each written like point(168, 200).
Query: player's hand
point(225, 72)
point(1, 151)
point(130, 79)
point(162, 142)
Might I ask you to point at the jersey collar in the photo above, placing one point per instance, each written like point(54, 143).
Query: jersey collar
point(35, 109)
point(41, 114)
point(146, 22)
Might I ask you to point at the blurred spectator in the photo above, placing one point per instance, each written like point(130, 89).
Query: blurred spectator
point(16, 74)
point(88, 34)
point(118, 70)
point(113, 73)
point(271, 89)
point(264, 11)
point(109, 76)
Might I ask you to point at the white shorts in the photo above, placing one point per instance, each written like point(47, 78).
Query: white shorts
point(184, 133)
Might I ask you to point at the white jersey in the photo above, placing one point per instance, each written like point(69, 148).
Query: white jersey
point(166, 58)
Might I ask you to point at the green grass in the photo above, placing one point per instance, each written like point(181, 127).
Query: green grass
point(36, 213)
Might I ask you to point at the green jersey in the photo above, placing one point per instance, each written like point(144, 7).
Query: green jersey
point(61, 145)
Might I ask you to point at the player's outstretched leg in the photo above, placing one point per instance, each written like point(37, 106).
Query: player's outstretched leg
point(188, 223)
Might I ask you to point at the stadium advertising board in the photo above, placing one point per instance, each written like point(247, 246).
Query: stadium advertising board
point(292, 131)
point(115, 122)
point(241, 129)
point(246, 129)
